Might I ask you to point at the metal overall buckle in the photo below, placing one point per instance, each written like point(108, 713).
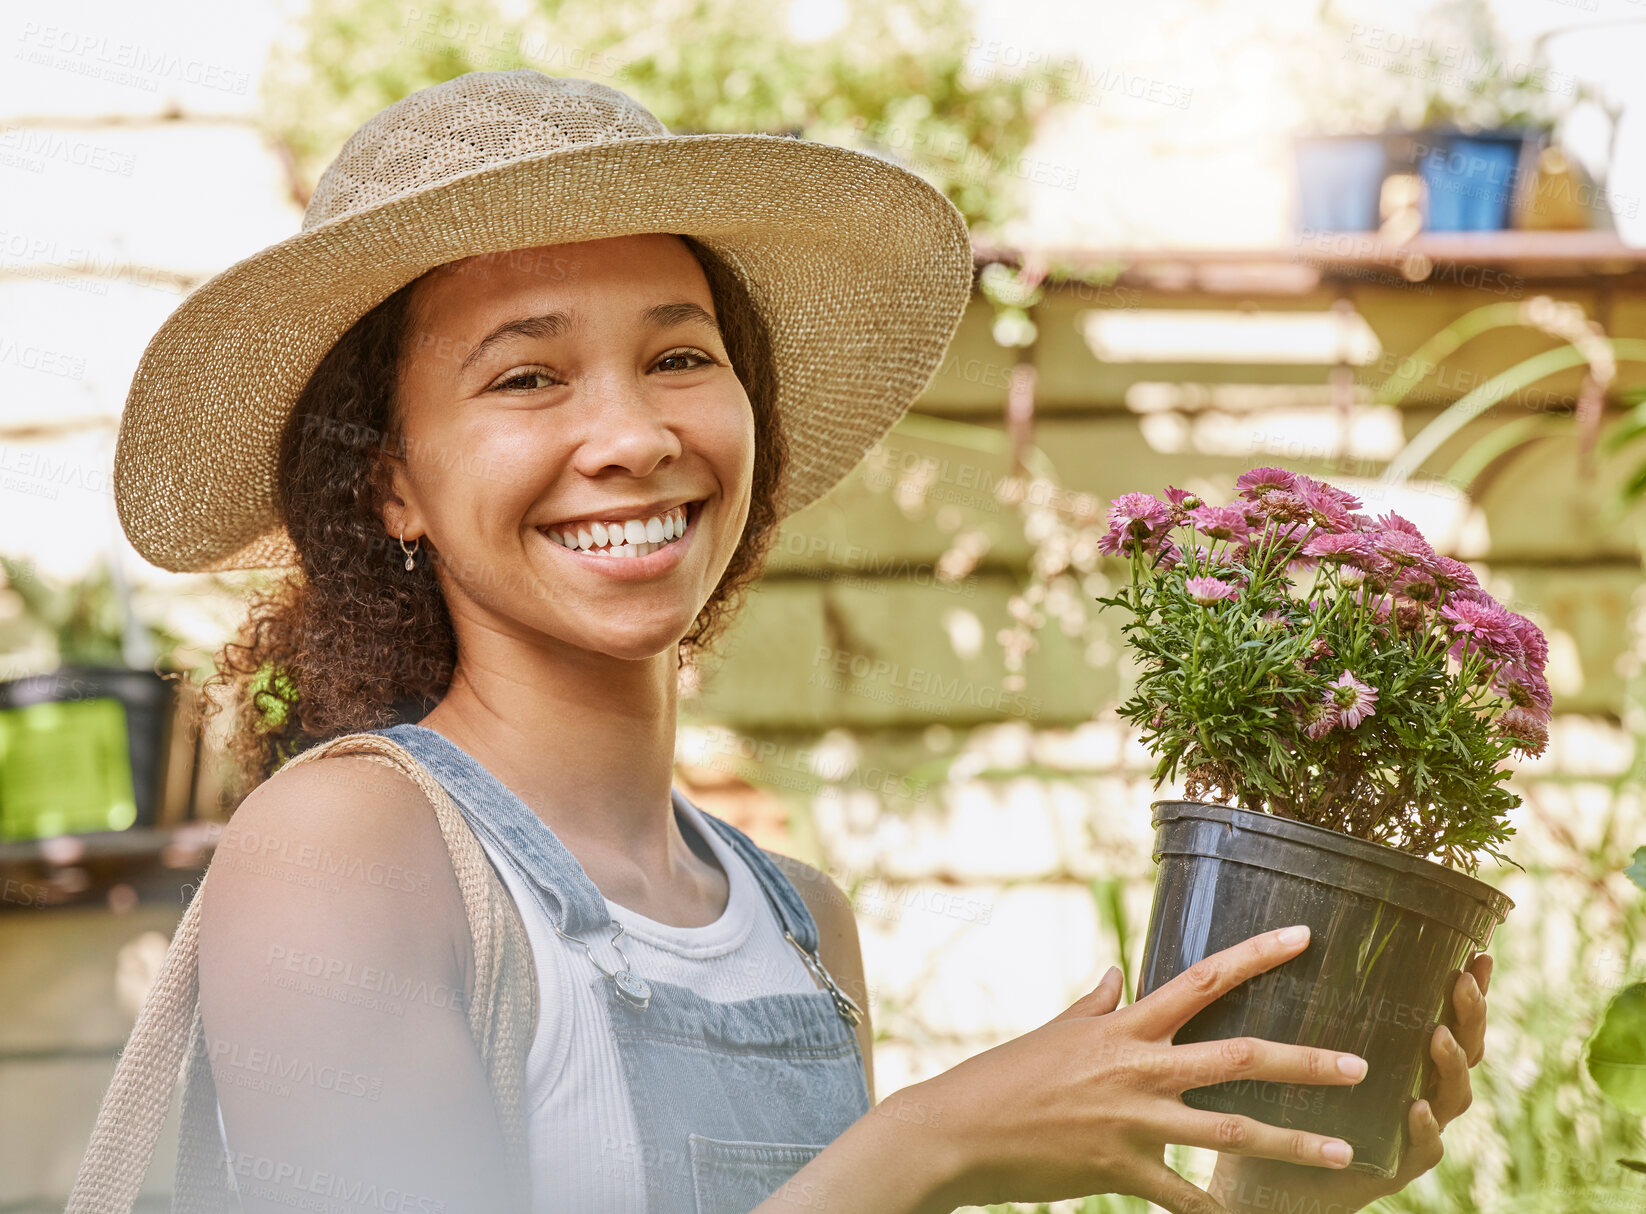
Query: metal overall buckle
point(631, 988)
point(843, 1003)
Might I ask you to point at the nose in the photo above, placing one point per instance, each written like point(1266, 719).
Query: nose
point(627, 427)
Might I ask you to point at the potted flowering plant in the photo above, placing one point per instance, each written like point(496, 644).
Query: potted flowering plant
point(1341, 702)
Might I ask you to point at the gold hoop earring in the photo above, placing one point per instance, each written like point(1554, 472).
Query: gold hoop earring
point(412, 551)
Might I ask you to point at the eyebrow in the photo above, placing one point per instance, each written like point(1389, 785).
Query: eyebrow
point(554, 324)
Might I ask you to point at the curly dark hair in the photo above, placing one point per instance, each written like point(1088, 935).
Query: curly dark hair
point(349, 639)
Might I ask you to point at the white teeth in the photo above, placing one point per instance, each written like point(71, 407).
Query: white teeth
point(629, 539)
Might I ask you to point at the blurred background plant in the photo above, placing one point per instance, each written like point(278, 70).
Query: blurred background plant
point(89, 620)
point(1457, 67)
point(884, 78)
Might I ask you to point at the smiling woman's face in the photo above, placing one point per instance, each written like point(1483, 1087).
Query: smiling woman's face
point(559, 406)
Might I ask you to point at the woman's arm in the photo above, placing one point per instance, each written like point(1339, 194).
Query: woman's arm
point(335, 970)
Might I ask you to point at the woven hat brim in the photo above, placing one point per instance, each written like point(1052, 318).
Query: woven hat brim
point(861, 269)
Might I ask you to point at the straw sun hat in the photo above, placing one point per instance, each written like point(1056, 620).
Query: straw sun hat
point(859, 268)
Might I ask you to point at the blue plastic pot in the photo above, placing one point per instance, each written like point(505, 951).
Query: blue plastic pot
point(1339, 181)
point(1470, 181)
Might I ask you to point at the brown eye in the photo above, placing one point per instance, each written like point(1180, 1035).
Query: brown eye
point(525, 379)
point(700, 359)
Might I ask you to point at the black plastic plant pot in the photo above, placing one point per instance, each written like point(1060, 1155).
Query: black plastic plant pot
point(1389, 935)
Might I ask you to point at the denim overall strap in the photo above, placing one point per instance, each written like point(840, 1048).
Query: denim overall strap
point(570, 899)
point(730, 1099)
point(799, 928)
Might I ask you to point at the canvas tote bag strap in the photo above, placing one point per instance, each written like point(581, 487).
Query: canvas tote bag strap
point(139, 1096)
point(502, 1018)
point(203, 1182)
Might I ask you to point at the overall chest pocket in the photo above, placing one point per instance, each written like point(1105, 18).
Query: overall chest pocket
point(730, 1177)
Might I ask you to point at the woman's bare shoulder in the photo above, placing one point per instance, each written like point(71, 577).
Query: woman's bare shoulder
point(336, 974)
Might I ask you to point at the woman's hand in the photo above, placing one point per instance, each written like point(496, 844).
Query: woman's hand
point(1087, 1102)
point(1242, 1184)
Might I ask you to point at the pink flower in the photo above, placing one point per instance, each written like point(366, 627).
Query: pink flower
point(1350, 699)
point(1209, 590)
point(1485, 627)
point(1453, 575)
point(1529, 729)
point(1258, 481)
point(1183, 499)
point(1404, 548)
point(1139, 514)
point(1118, 540)
point(1532, 641)
point(1219, 522)
point(1418, 586)
point(1523, 688)
point(1323, 722)
point(1130, 529)
point(1338, 547)
point(1283, 506)
point(1329, 506)
point(1394, 522)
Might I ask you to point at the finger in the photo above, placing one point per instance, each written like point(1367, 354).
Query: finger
point(1247, 1136)
point(1170, 1007)
point(1453, 1092)
point(1166, 1189)
point(1469, 1004)
point(1099, 1001)
point(1207, 1062)
point(1481, 967)
point(1423, 1146)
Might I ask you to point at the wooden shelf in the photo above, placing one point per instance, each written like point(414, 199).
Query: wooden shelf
point(1319, 259)
point(117, 868)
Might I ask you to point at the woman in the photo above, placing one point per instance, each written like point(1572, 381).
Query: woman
point(524, 478)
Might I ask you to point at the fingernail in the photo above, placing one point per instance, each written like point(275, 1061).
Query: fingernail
point(1338, 1153)
point(1471, 989)
point(1354, 1068)
point(1294, 935)
point(1449, 1042)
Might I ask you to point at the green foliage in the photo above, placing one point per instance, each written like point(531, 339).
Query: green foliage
point(79, 621)
point(1457, 67)
point(891, 81)
point(1636, 871)
point(1617, 1051)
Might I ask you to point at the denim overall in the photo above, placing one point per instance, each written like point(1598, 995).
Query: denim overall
point(731, 1099)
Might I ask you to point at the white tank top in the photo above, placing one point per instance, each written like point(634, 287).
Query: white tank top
point(580, 1124)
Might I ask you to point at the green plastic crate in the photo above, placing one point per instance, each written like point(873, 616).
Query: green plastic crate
point(65, 768)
